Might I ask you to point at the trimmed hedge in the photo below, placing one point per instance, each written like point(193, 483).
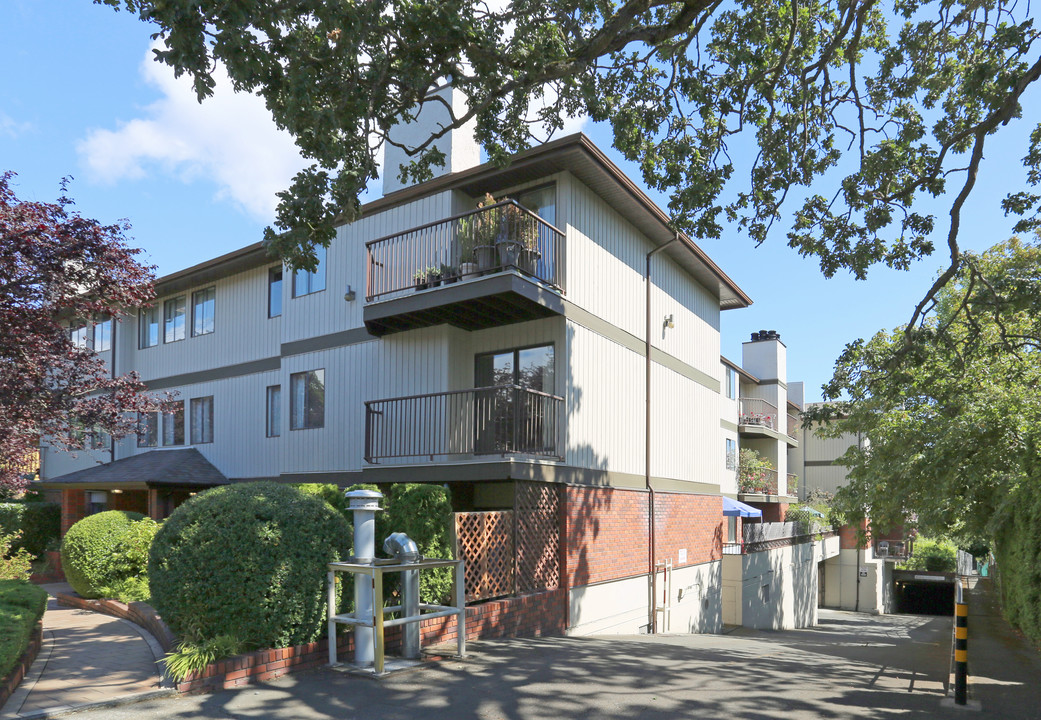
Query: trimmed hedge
point(88, 548)
point(39, 523)
point(21, 606)
point(332, 494)
point(247, 561)
point(1018, 555)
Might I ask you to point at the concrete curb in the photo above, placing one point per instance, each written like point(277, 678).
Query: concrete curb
point(100, 705)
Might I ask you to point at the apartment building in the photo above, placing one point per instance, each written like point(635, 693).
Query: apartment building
point(555, 354)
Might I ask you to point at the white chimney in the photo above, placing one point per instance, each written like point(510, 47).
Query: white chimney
point(459, 146)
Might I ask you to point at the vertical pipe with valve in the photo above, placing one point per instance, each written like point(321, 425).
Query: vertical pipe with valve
point(364, 504)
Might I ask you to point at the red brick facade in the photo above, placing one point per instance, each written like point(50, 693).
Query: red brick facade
point(606, 532)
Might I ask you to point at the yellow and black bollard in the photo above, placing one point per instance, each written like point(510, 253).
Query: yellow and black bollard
point(961, 649)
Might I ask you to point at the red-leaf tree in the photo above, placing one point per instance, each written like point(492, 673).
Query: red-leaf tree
point(59, 269)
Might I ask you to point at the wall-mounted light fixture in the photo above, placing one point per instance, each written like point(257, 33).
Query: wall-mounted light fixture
point(668, 322)
point(116, 491)
point(349, 295)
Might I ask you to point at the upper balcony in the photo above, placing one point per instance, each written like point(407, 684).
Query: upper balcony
point(462, 425)
point(761, 418)
point(492, 266)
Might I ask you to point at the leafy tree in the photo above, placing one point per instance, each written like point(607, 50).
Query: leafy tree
point(58, 268)
point(856, 110)
point(954, 424)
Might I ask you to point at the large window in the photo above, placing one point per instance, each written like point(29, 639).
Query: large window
point(173, 319)
point(509, 417)
point(103, 336)
point(173, 423)
point(203, 302)
point(78, 335)
point(731, 454)
point(542, 201)
point(274, 292)
point(202, 420)
point(732, 383)
point(148, 327)
point(147, 429)
point(307, 400)
point(274, 410)
point(306, 282)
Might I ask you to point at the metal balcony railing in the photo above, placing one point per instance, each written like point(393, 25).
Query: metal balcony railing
point(761, 482)
point(500, 420)
point(758, 412)
point(897, 550)
point(793, 426)
point(505, 235)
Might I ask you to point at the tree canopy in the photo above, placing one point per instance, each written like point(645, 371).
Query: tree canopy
point(954, 423)
point(855, 110)
point(59, 270)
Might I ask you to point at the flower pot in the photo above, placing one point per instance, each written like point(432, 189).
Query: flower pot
point(487, 258)
point(467, 268)
point(422, 284)
point(509, 253)
point(529, 260)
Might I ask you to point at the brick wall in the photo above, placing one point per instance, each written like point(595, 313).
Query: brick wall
point(73, 508)
point(606, 531)
point(128, 501)
point(848, 536)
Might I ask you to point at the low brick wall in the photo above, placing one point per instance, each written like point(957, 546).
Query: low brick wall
point(10, 683)
point(139, 613)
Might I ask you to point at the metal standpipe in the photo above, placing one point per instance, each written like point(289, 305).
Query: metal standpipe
point(364, 504)
point(404, 549)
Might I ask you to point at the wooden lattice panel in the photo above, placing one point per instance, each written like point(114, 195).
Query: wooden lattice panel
point(486, 544)
point(538, 536)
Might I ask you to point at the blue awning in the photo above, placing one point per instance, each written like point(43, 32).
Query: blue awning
point(739, 509)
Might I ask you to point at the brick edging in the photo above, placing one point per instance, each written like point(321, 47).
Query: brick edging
point(139, 613)
point(10, 683)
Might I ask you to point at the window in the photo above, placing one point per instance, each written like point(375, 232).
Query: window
point(274, 410)
point(307, 400)
point(148, 327)
point(509, 416)
point(202, 420)
point(274, 292)
point(103, 336)
point(173, 319)
point(78, 335)
point(147, 429)
point(96, 501)
point(306, 282)
point(732, 383)
point(96, 439)
point(203, 302)
point(173, 423)
point(542, 201)
point(731, 528)
point(731, 454)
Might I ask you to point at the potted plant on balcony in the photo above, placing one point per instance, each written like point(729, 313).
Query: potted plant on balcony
point(433, 275)
point(523, 238)
point(477, 235)
point(419, 277)
point(449, 274)
point(752, 472)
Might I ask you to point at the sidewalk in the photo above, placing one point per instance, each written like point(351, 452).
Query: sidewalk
point(1004, 670)
point(87, 659)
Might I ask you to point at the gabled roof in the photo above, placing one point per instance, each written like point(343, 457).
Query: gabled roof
point(179, 467)
point(576, 154)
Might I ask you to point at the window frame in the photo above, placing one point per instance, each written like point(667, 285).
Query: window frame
point(273, 420)
point(212, 290)
point(168, 319)
point(271, 294)
point(731, 455)
point(165, 417)
point(195, 431)
point(143, 335)
point(306, 412)
point(107, 322)
point(153, 418)
point(84, 343)
point(310, 277)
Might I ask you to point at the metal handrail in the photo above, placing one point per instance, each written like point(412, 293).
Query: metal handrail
point(759, 412)
point(499, 419)
point(510, 236)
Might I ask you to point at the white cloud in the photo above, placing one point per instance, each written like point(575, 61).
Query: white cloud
point(228, 139)
point(11, 127)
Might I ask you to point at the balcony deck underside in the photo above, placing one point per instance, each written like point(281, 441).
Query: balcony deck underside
point(490, 301)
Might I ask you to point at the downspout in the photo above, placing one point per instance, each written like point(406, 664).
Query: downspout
point(651, 555)
point(112, 374)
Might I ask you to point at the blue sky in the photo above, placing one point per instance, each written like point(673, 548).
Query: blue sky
point(80, 97)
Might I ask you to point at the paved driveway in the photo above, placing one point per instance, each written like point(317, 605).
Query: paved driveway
point(851, 666)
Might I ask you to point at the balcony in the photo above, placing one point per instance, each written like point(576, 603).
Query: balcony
point(756, 413)
point(793, 427)
point(493, 266)
point(464, 424)
point(893, 550)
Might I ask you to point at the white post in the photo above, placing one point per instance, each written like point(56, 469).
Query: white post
point(460, 602)
point(331, 612)
point(365, 504)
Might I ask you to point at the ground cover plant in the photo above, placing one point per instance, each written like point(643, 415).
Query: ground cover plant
point(21, 606)
point(91, 552)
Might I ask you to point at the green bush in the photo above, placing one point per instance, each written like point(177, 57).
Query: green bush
point(1018, 555)
point(424, 513)
point(14, 564)
point(21, 606)
point(39, 523)
point(127, 570)
point(247, 561)
point(332, 494)
point(89, 547)
point(933, 555)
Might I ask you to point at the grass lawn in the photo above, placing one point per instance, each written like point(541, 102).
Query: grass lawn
point(21, 605)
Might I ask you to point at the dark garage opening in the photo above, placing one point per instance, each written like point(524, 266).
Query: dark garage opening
point(924, 598)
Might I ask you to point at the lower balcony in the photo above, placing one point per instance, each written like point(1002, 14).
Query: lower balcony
point(460, 425)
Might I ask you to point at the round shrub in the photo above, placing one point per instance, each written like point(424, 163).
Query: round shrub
point(247, 561)
point(88, 547)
